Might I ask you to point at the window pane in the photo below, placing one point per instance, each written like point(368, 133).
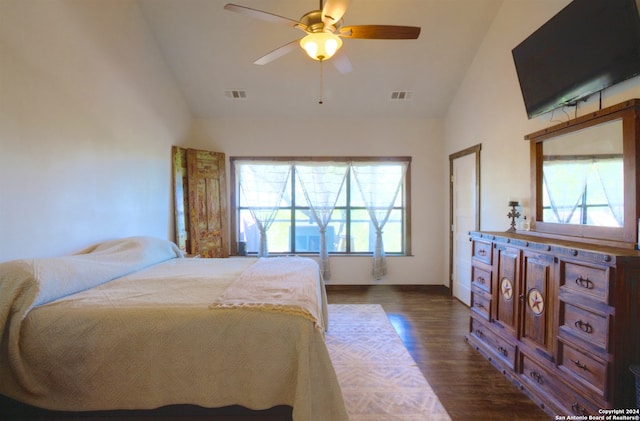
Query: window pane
point(301, 201)
point(362, 232)
point(548, 215)
point(595, 205)
point(356, 197)
point(248, 231)
point(277, 234)
point(399, 200)
point(308, 233)
point(595, 191)
point(392, 233)
point(601, 216)
point(342, 198)
point(286, 197)
point(338, 226)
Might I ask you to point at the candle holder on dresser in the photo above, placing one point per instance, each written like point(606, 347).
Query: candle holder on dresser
point(513, 214)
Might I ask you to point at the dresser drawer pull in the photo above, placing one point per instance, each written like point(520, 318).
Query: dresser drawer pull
point(584, 282)
point(479, 305)
point(480, 280)
point(577, 409)
point(479, 333)
point(482, 252)
point(537, 376)
point(580, 365)
point(584, 326)
point(503, 351)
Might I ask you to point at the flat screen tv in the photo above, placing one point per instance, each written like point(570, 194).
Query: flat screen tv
point(588, 46)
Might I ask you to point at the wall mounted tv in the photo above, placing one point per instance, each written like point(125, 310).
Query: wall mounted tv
point(588, 46)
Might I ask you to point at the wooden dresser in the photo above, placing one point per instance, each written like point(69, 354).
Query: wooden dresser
point(561, 319)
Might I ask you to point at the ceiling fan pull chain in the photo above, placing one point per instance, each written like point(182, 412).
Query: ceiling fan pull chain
point(321, 81)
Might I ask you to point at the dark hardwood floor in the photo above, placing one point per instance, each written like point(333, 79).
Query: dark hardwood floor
point(432, 326)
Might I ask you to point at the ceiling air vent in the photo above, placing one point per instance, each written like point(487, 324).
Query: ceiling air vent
point(235, 94)
point(401, 95)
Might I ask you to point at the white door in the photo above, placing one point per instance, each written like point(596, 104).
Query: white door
point(464, 216)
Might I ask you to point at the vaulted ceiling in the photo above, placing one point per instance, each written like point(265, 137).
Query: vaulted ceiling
point(211, 53)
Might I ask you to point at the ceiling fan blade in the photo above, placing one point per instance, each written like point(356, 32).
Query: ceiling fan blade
point(277, 53)
point(342, 63)
point(259, 14)
point(380, 32)
point(333, 11)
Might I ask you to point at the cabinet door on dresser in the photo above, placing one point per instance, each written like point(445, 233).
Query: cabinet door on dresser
point(507, 288)
point(538, 303)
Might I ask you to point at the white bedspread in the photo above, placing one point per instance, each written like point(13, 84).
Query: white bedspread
point(283, 284)
point(149, 339)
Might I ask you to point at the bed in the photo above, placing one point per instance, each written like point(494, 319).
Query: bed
point(130, 324)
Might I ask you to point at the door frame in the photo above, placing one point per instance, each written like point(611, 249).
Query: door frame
point(452, 157)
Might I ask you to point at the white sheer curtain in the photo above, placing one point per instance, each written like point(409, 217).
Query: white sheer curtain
point(262, 186)
point(565, 196)
point(610, 172)
point(379, 185)
point(321, 184)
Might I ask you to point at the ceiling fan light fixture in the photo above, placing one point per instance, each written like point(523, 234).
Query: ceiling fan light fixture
point(321, 45)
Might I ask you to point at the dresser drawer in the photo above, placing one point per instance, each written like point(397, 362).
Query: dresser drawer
point(481, 303)
point(494, 343)
point(591, 328)
point(549, 387)
point(592, 281)
point(583, 366)
point(482, 251)
point(481, 278)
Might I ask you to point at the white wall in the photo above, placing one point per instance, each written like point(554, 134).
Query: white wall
point(489, 109)
point(88, 114)
point(420, 139)
point(89, 111)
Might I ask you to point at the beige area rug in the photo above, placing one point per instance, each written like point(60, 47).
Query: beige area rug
point(380, 381)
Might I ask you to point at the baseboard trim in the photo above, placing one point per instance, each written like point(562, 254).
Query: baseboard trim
point(432, 289)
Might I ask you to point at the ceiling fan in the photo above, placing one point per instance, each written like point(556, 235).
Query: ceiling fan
point(325, 32)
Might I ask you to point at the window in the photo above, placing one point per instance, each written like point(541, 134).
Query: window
point(578, 195)
point(278, 193)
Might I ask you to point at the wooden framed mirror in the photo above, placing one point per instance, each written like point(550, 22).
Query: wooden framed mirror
point(584, 176)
